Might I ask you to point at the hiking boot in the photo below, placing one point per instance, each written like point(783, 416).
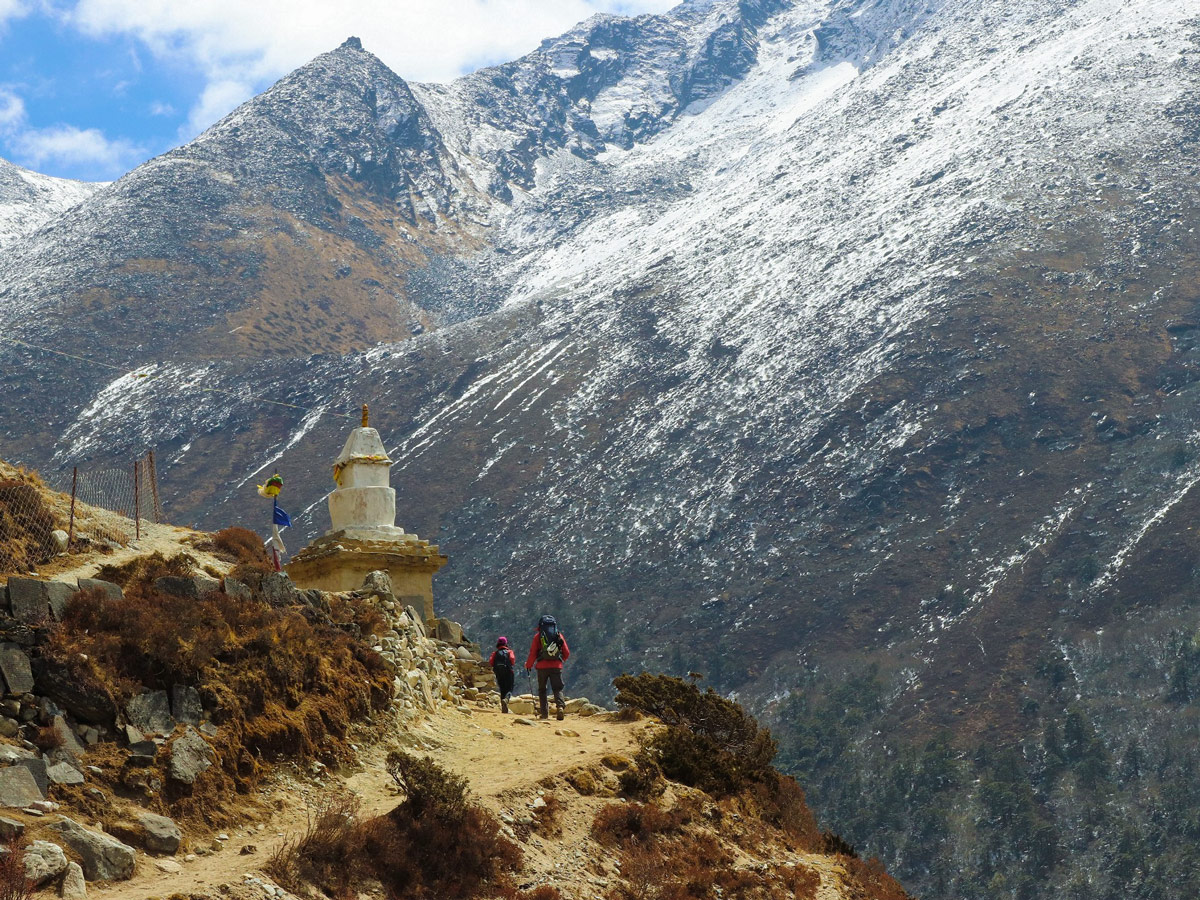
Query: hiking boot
point(543, 715)
point(503, 705)
point(560, 714)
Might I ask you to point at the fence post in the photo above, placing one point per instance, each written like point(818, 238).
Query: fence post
point(71, 527)
point(153, 469)
point(137, 506)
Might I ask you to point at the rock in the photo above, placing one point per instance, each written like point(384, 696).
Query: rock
point(521, 706)
point(70, 742)
point(190, 587)
point(10, 754)
point(61, 539)
point(237, 589)
point(590, 709)
point(40, 772)
point(9, 728)
point(169, 866)
point(43, 861)
point(159, 834)
point(58, 595)
point(86, 701)
point(575, 704)
point(10, 829)
point(379, 583)
point(143, 753)
point(278, 590)
point(185, 704)
point(74, 887)
point(418, 623)
point(64, 773)
point(18, 788)
point(111, 591)
point(151, 713)
point(28, 600)
point(104, 858)
point(190, 755)
point(133, 734)
point(519, 720)
point(450, 632)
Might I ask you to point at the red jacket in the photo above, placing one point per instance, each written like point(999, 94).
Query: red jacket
point(546, 663)
point(512, 657)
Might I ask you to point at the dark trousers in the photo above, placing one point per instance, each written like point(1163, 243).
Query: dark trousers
point(504, 681)
point(554, 676)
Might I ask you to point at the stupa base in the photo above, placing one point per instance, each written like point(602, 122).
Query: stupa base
point(340, 561)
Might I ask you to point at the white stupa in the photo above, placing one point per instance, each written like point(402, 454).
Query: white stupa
point(363, 505)
point(364, 536)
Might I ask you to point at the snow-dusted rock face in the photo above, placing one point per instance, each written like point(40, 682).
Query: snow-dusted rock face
point(822, 332)
point(29, 200)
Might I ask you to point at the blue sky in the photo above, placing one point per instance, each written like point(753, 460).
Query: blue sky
point(91, 88)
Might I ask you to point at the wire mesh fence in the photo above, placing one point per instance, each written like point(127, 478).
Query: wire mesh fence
point(106, 506)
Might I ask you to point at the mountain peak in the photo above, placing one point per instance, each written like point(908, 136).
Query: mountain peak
point(351, 43)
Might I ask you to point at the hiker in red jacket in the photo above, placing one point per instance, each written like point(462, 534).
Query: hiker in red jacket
point(504, 666)
point(549, 651)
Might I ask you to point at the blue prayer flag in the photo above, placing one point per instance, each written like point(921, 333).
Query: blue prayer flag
point(282, 518)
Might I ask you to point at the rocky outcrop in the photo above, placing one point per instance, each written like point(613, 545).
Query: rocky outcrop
point(44, 861)
point(103, 858)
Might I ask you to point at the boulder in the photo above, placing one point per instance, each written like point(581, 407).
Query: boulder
point(84, 699)
point(44, 861)
point(104, 858)
point(521, 707)
point(150, 713)
point(74, 887)
point(66, 734)
point(64, 773)
point(159, 834)
point(450, 632)
point(39, 770)
point(142, 753)
point(278, 590)
point(112, 591)
point(61, 539)
point(18, 788)
point(575, 704)
point(28, 600)
point(14, 666)
point(10, 829)
point(191, 755)
point(190, 587)
point(379, 583)
point(59, 594)
point(185, 704)
point(237, 589)
point(415, 617)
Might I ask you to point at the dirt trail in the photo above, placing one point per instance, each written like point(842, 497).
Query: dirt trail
point(501, 772)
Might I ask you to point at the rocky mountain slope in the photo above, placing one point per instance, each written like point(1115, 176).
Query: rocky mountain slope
point(29, 200)
point(821, 346)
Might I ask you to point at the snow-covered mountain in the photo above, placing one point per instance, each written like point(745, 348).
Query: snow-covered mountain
point(29, 200)
point(774, 340)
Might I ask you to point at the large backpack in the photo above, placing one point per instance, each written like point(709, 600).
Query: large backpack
point(549, 639)
point(502, 659)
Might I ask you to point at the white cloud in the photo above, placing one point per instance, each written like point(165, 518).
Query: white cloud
point(10, 9)
point(86, 150)
point(12, 110)
point(68, 145)
point(158, 108)
point(241, 46)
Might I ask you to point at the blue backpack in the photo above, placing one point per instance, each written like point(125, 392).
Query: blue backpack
point(550, 641)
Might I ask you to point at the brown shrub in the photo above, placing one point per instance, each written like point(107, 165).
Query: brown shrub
point(867, 880)
point(47, 739)
point(833, 844)
point(710, 742)
point(365, 616)
point(280, 683)
point(434, 844)
point(780, 802)
point(242, 546)
point(620, 824)
point(13, 883)
point(26, 527)
point(147, 568)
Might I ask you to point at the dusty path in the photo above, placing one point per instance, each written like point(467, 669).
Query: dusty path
point(502, 771)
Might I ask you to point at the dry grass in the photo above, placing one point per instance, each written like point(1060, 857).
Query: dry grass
point(279, 683)
point(26, 527)
point(436, 843)
point(13, 883)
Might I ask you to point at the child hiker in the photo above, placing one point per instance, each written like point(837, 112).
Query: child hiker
point(504, 663)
